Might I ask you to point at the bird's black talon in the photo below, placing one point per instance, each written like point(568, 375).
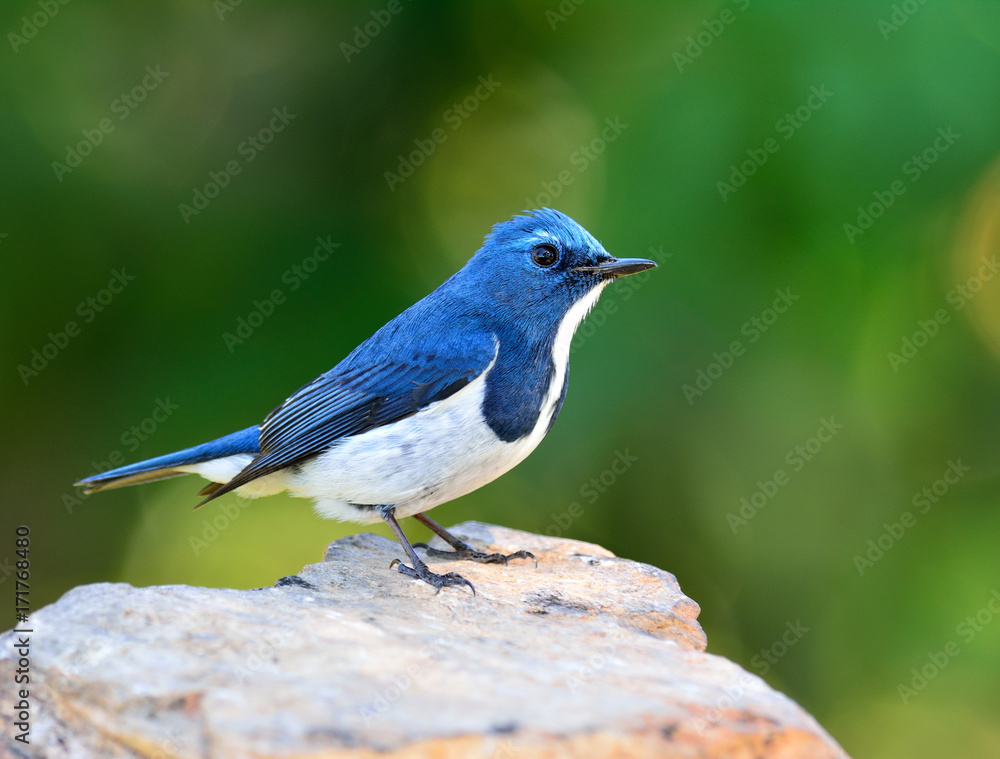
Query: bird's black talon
point(434, 580)
point(470, 554)
point(454, 579)
point(523, 555)
point(463, 550)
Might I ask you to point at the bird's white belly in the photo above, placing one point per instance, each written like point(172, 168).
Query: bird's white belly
point(434, 456)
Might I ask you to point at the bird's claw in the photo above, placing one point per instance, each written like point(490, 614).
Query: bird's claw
point(434, 580)
point(523, 555)
point(469, 554)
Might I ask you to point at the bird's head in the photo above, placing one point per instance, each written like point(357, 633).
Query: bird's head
point(541, 264)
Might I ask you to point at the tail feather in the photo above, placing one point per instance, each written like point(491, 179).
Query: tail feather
point(174, 464)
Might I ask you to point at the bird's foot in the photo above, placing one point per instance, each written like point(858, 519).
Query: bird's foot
point(421, 572)
point(470, 554)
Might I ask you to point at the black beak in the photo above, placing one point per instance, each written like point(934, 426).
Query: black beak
point(617, 267)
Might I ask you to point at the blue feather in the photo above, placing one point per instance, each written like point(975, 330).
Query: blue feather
point(162, 467)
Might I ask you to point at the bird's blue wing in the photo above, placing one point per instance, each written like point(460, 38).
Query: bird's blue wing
point(365, 391)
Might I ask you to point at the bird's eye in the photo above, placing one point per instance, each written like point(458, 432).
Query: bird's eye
point(545, 255)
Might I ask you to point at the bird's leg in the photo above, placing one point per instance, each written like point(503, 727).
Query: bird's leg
point(419, 569)
point(462, 549)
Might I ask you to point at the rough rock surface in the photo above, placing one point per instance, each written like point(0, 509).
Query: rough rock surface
point(587, 655)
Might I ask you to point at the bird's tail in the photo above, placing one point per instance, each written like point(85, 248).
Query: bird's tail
point(196, 459)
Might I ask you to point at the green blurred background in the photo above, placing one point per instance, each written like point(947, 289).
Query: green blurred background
point(693, 87)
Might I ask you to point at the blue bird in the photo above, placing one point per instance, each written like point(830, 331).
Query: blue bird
point(446, 397)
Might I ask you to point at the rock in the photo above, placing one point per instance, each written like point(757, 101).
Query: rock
point(587, 655)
